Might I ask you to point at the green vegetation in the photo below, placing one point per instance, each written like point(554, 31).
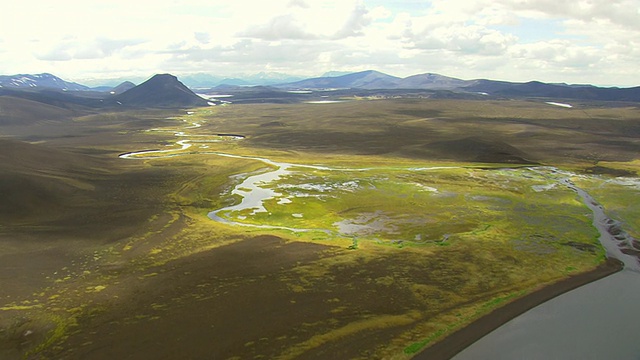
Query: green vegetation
point(408, 239)
point(620, 197)
point(481, 310)
point(417, 346)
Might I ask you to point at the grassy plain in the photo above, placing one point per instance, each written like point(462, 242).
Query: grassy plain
point(433, 220)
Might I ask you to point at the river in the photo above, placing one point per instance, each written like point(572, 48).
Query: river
point(596, 321)
point(254, 194)
point(253, 190)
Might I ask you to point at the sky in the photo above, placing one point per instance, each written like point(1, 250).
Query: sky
point(579, 42)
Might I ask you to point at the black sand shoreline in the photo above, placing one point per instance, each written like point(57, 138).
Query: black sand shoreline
point(463, 338)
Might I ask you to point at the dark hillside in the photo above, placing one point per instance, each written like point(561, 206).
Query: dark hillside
point(38, 181)
point(47, 192)
point(125, 86)
point(63, 99)
point(161, 91)
point(478, 149)
point(26, 158)
point(17, 111)
point(431, 81)
point(543, 90)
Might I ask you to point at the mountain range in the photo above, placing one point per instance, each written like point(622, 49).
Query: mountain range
point(203, 81)
point(376, 80)
point(44, 80)
point(376, 84)
point(160, 91)
point(165, 90)
point(372, 79)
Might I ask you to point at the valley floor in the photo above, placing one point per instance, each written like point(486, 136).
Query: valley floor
point(431, 224)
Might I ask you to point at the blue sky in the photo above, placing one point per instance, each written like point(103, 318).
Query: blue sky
point(532, 30)
point(584, 41)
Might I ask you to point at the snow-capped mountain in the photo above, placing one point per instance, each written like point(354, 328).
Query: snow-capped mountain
point(39, 81)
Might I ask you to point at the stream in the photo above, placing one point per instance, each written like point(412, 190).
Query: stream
point(616, 241)
point(254, 195)
point(251, 190)
point(595, 321)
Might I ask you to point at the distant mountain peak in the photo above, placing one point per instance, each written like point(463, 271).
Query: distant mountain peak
point(160, 91)
point(335, 73)
point(431, 81)
point(127, 85)
point(39, 81)
point(165, 76)
point(162, 80)
point(368, 79)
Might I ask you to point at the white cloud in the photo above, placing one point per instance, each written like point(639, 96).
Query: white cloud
point(615, 12)
point(558, 54)
point(202, 37)
point(355, 23)
point(380, 13)
point(278, 28)
point(471, 39)
point(318, 21)
point(74, 48)
point(581, 41)
point(300, 3)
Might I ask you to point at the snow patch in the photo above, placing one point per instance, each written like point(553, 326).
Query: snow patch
point(215, 96)
point(559, 104)
point(325, 102)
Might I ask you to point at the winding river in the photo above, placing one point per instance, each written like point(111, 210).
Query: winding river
point(254, 195)
point(251, 190)
point(616, 241)
point(595, 321)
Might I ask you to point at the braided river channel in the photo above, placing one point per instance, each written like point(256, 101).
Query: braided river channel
point(595, 321)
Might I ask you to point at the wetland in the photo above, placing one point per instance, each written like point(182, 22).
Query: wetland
point(358, 229)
